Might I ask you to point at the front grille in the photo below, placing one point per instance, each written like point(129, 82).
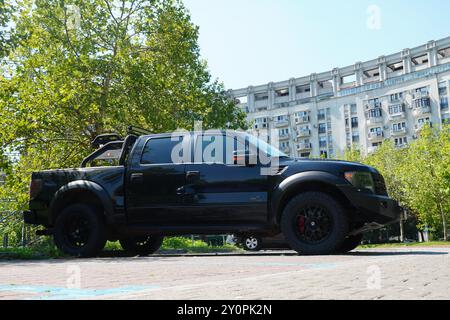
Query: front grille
point(380, 185)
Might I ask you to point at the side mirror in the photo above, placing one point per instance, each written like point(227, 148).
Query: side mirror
point(245, 158)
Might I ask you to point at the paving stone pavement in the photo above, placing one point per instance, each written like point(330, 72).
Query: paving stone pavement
point(415, 273)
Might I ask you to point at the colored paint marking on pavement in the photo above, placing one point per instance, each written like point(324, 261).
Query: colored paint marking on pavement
point(61, 293)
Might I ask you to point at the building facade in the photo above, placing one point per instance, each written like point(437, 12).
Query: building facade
point(364, 104)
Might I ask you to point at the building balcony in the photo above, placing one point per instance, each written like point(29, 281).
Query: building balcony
point(374, 121)
point(260, 126)
point(375, 136)
point(304, 146)
point(396, 101)
point(397, 115)
point(396, 133)
point(286, 150)
point(419, 126)
point(303, 133)
point(281, 123)
point(283, 137)
point(302, 120)
point(417, 112)
point(373, 105)
point(421, 95)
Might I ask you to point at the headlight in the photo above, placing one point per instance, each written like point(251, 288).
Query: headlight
point(361, 180)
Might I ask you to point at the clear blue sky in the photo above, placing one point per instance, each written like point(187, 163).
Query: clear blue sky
point(251, 42)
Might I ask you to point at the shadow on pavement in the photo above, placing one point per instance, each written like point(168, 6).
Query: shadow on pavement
point(395, 253)
point(116, 256)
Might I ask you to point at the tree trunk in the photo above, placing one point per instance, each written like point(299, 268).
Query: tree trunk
point(444, 222)
point(5, 241)
point(402, 231)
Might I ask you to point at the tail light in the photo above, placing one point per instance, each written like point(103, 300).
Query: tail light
point(35, 188)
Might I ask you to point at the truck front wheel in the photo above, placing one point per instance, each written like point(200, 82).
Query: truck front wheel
point(80, 231)
point(142, 246)
point(350, 243)
point(314, 223)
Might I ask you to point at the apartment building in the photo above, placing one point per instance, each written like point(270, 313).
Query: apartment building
point(364, 104)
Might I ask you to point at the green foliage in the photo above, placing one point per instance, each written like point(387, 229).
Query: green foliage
point(196, 246)
point(181, 243)
point(418, 175)
point(79, 68)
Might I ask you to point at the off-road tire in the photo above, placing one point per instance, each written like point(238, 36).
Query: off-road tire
point(336, 224)
point(90, 241)
point(142, 246)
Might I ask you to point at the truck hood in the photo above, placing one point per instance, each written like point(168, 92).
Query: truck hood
point(332, 166)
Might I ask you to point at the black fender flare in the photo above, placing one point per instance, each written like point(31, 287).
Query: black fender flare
point(288, 186)
point(81, 185)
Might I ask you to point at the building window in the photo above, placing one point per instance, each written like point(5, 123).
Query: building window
point(283, 132)
point(378, 132)
point(282, 92)
point(355, 122)
point(401, 141)
point(397, 108)
point(321, 114)
point(322, 128)
point(323, 142)
point(305, 154)
point(444, 102)
point(398, 126)
point(353, 109)
point(355, 137)
point(377, 144)
point(375, 113)
point(396, 96)
point(422, 103)
point(284, 144)
point(260, 123)
point(261, 96)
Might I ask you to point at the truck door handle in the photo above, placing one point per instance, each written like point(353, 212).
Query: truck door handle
point(137, 177)
point(192, 174)
point(181, 191)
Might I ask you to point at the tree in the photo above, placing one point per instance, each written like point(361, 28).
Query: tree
point(418, 176)
point(6, 9)
point(84, 67)
point(428, 167)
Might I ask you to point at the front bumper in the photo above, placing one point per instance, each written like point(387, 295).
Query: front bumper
point(373, 208)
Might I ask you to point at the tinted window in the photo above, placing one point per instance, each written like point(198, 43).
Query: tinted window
point(217, 149)
point(159, 151)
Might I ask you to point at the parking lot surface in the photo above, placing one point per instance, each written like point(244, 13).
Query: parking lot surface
point(416, 273)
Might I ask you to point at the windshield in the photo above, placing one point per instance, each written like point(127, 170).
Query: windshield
point(263, 146)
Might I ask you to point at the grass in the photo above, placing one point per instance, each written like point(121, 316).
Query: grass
point(176, 244)
point(30, 253)
point(402, 245)
point(182, 244)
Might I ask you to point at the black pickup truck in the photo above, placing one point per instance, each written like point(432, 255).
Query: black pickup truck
point(147, 186)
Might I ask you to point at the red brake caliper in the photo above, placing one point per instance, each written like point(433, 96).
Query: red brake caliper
point(301, 224)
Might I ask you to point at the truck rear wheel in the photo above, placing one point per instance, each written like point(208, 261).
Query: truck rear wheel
point(142, 246)
point(80, 231)
point(314, 223)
